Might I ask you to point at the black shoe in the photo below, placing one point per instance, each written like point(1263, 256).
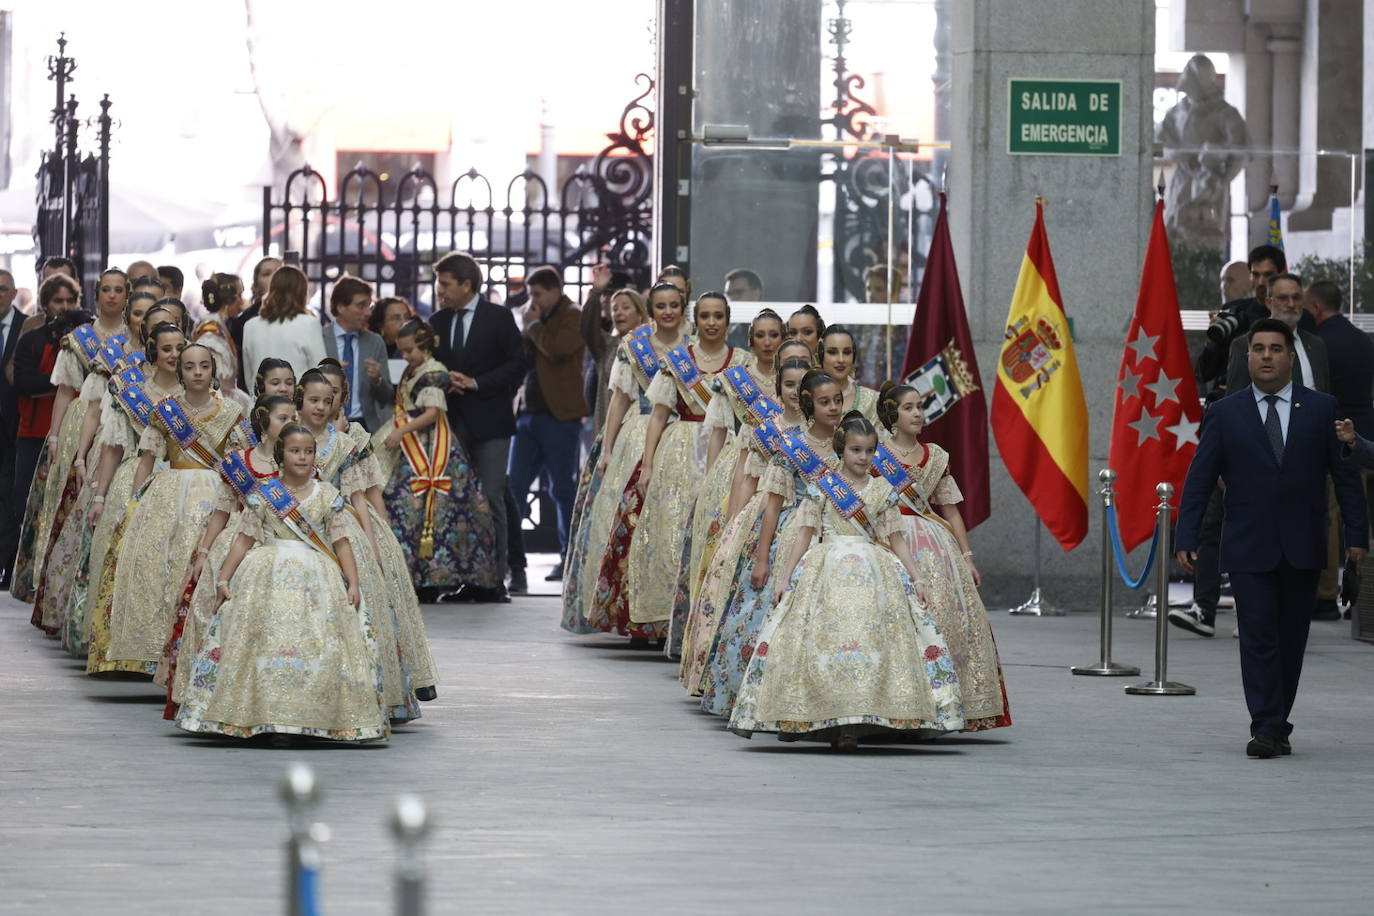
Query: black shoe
point(1326, 610)
point(519, 585)
point(1263, 747)
point(557, 574)
point(426, 694)
point(1192, 620)
point(1285, 748)
point(5, 576)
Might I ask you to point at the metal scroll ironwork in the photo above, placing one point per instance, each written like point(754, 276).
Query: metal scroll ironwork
point(601, 213)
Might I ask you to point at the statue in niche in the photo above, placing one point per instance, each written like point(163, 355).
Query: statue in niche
point(1200, 134)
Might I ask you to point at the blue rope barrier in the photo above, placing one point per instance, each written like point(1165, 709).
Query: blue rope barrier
point(1120, 553)
point(309, 891)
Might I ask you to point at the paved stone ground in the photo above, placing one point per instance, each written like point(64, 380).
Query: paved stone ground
point(570, 775)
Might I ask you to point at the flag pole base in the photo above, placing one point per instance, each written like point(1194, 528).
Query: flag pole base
point(1037, 606)
point(1110, 669)
point(1160, 689)
point(1147, 611)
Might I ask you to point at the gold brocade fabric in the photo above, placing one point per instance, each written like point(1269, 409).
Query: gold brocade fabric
point(410, 623)
point(625, 455)
point(945, 587)
point(164, 529)
point(848, 645)
point(287, 654)
point(98, 662)
point(863, 399)
point(68, 438)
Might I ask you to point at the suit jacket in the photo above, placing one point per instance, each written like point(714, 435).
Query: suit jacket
point(493, 356)
point(376, 398)
point(9, 401)
point(554, 347)
point(1238, 365)
point(1273, 511)
point(1350, 353)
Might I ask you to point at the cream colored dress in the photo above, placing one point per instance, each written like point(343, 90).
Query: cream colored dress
point(849, 650)
point(863, 399)
point(287, 654)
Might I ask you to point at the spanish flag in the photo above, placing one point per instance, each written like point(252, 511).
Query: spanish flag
point(1039, 415)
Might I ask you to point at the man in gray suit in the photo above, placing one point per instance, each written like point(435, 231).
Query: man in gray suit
point(362, 353)
point(1286, 301)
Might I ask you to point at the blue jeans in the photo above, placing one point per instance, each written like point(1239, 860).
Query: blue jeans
point(544, 443)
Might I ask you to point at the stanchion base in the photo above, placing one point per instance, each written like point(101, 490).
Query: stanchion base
point(1147, 611)
point(1158, 689)
point(1110, 669)
point(1036, 606)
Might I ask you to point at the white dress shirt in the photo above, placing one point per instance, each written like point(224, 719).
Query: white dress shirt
point(1283, 405)
point(1303, 362)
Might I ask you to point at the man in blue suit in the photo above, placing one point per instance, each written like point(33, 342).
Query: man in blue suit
point(1272, 444)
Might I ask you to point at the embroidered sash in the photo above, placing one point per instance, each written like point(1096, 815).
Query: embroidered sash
point(127, 387)
point(173, 419)
point(764, 408)
point(644, 356)
point(238, 475)
point(806, 461)
point(89, 341)
point(846, 502)
point(111, 355)
point(288, 511)
point(689, 377)
point(768, 437)
point(904, 485)
point(742, 384)
point(429, 472)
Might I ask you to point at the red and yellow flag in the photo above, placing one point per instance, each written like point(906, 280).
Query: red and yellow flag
point(1039, 414)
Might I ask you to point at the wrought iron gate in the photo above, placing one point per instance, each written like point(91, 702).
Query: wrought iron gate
point(392, 236)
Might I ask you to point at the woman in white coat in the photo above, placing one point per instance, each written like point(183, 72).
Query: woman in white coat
point(283, 328)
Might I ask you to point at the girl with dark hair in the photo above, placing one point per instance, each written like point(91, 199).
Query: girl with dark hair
point(289, 589)
point(766, 336)
point(274, 376)
point(220, 295)
point(676, 276)
point(597, 598)
point(947, 580)
point(127, 409)
point(240, 474)
point(848, 651)
point(806, 325)
point(78, 387)
point(837, 355)
point(436, 508)
point(672, 470)
point(192, 432)
point(725, 585)
point(345, 466)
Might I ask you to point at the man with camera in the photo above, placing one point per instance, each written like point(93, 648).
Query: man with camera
point(1234, 319)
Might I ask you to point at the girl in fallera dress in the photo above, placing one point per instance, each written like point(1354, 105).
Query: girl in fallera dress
point(767, 335)
point(342, 464)
point(128, 411)
point(68, 576)
point(221, 295)
point(628, 312)
point(946, 578)
point(290, 649)
point(274, 376)
point(193, 432)
point(782, 490)
point(240, 473)
point(722, 587)
point(672, 469)
point(836, 357)
point(806, 325)
point(78, 387)
point(615, 513)
point(847, 650)
point(437, 511)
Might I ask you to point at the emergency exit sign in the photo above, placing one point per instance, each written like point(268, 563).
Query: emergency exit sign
point(1064, 117)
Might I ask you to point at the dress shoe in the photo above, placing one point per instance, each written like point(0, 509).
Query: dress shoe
point(426, 694)
point(1285, 747)
point(556, 575)
point(1194, 620)
point(1263, 747)
point(4, 580)
point(1326, 610)
point(519, 584)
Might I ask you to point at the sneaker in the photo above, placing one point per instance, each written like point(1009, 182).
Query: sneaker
point(1192, 620)
point(518, 583)
point(1235, 634)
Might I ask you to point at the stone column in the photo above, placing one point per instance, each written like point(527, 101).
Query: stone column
point(1098, 221)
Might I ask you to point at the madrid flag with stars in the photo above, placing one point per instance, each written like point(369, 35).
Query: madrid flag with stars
point(1155, 413)
point(1039, 415)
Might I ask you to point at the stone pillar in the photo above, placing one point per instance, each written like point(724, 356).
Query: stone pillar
point(1098, 220)
point(757, 65)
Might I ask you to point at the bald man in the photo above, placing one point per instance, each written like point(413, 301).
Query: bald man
point(1235, 281)
point(139, 269)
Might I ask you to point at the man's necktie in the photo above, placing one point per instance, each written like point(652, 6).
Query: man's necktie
point(456, 343)
point(348, 374)
point(1273, 428)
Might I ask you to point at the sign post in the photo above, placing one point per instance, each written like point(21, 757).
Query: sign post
point(1063, 117)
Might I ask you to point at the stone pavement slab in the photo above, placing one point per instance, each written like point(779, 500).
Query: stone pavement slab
point(571, 775)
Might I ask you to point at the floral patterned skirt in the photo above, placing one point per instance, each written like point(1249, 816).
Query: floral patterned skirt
point(98, 662)
point(21, 581)
point(68, 438)
point(46, 612)
point(286, 655)
point(410, 623)
point(611, 608)
point(603, 515)
point(657, 574)
point(848, 646)
point(574, 602)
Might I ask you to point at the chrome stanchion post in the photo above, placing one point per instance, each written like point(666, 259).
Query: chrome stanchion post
point(301, 793)
point(1146, 611)
point(410, 823)
point(1105, 666)
point(1161, 685)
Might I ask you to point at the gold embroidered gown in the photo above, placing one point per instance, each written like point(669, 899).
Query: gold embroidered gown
point(287, 654)
point(849, 650)
point(945, 587)
point(660, 551)
point(164, 529)
point(863, 399)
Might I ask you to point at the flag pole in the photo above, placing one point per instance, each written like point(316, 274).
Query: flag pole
point(1036, 605)
point(891, 244)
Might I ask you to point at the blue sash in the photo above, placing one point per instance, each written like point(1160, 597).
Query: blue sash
point(288, 510)
point(112, 355)
point(187, 437)
point(765, 408)
point(89, 341)
point(845, 500)
point(768, 437)
point(807, 462)
point(689, 377)
point(645, 358)
point(743, 384)
point(126, 386)
point(237, 474)
point(896, 474)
